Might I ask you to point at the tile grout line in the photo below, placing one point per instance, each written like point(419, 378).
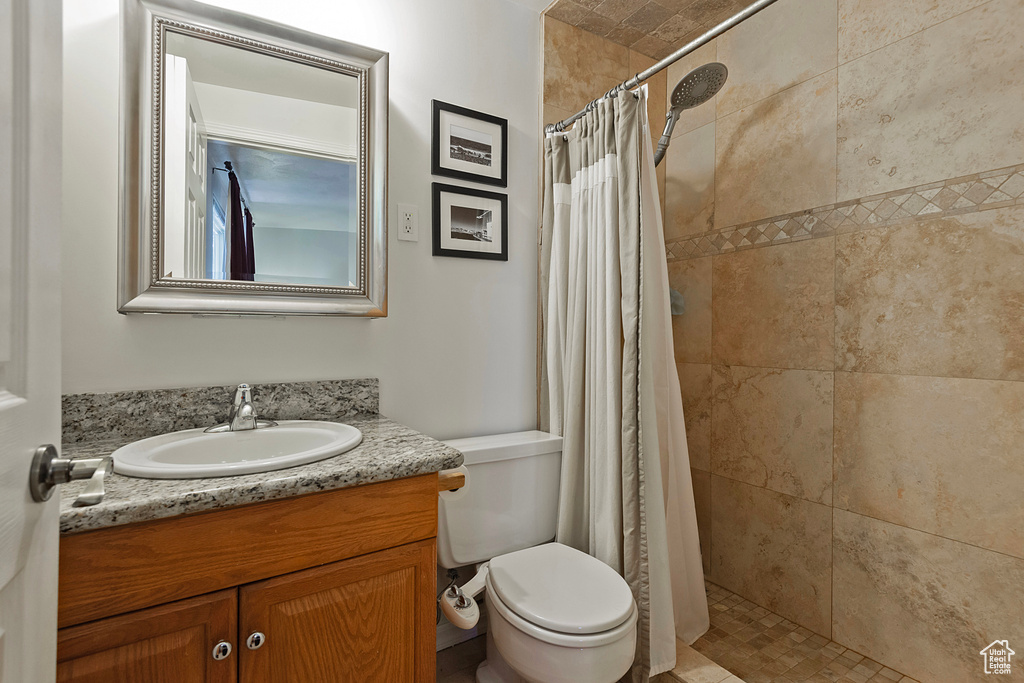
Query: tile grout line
point(832, 579)
point(852, 372)
point(930, 533)
point(711, 354)
point(833, 508)
point(923, 376)
point(711, 419)
point(779, 92)
point(835, 363)
point(909, 35)
point(770, 490)
point(837, 104)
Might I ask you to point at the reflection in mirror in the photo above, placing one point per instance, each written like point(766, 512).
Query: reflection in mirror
point(260, 167)
point(300, 212)
point(253, 166)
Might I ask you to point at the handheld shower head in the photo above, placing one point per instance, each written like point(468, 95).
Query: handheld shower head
point(699, 86)
point(694, 89)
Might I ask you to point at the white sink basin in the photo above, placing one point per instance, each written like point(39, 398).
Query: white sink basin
point(196, 454)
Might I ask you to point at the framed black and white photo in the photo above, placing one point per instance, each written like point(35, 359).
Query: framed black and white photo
point(470, 223)
point(469, 145)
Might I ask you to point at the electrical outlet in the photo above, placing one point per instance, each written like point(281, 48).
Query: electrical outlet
point(408, 223)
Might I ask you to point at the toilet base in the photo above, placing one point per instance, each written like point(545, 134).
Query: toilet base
point(534, 655)
point(494, 669)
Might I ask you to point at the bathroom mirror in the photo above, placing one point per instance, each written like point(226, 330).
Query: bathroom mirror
point(253, 166)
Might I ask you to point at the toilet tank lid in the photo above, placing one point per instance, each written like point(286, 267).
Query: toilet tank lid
point(481, 449)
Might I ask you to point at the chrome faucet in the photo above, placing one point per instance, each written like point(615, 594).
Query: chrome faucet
point(243, 414)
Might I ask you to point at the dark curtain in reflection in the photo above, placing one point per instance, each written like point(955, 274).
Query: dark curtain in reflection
point(242, 258)
point(250, 248)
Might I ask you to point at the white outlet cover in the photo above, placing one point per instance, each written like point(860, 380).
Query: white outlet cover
point(408, 223)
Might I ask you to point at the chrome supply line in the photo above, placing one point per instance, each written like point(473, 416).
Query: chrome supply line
point(636, 80)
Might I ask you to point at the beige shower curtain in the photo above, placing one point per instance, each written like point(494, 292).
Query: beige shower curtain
point(608, 376)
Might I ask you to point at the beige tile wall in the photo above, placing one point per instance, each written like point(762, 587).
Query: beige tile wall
point(845, 221)
point(773, 428)
point(774, 307)
point(921, 602)
point(776, 50)
point(933, 105)
point(580, 66)
point(847, 229)
point(774, 548)
point(955, 310)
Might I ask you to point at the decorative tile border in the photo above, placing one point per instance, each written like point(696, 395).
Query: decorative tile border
point(967, 194)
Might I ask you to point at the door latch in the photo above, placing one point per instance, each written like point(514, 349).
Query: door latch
point(48, 470)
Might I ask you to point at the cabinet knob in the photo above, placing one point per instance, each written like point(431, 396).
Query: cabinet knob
point(221, 650)
point(255, 640)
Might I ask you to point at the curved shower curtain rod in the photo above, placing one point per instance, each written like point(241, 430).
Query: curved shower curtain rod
point(636, 80)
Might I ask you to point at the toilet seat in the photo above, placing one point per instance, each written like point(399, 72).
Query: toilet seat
point(562, 595)
point(626, 629)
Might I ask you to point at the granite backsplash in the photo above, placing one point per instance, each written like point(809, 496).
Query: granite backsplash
point(131, 415)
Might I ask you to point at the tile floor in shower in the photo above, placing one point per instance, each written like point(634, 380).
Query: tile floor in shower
point(746, 643)
point(760, 646)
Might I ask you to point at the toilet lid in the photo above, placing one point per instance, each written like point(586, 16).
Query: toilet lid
point(561, 589)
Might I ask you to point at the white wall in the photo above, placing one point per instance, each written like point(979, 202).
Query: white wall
point(456, 355)
point(302, 256)
point(323, 127)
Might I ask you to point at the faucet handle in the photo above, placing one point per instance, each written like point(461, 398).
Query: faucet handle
point(243, 414)
point(243, 394)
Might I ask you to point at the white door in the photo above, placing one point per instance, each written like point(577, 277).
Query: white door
point(184, 174)
point(30, 199)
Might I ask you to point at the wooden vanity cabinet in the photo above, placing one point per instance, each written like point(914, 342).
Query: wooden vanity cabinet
point(355, 620)
point(166, 644)
point(353, 604)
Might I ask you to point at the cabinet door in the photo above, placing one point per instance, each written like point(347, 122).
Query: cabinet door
point(371, 618)
point(172, 643)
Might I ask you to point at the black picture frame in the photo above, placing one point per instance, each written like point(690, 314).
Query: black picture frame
point(441, 162)
point(452, 245)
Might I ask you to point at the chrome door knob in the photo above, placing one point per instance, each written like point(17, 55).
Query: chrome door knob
point(255, 640)
point(221, 650)
point(48, 470)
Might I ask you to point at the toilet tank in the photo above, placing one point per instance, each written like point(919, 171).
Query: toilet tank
point(509, 502)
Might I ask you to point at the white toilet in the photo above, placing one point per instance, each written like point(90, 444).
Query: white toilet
point(556, 615)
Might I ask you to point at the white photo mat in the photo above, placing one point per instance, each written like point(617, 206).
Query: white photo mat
point(468, 145)
point(449, 119)
point(450, 199)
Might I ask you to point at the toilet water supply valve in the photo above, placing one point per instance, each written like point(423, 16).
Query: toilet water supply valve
point(458, 604)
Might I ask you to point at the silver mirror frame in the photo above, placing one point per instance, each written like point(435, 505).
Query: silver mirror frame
point(140, 219)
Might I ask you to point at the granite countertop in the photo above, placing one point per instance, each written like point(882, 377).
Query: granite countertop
point(388, 451)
